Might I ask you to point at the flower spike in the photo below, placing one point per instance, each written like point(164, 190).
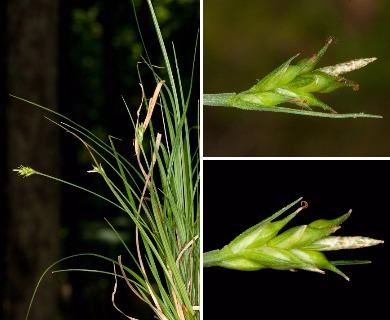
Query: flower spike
point(25, 171)
point(296, 84)
point(300, 247)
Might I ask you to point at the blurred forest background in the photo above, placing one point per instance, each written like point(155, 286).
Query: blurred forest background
point(245, 40)
point(78, 58)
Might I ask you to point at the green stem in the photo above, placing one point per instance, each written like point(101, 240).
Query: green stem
point(228, 100)
point(220, 99)
point(214, 257)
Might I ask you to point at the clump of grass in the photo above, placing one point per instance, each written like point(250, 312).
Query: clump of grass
point(164, 206)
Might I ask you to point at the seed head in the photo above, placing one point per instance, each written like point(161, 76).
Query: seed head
point(296, 83)
point(299, 247)
point(25, 171)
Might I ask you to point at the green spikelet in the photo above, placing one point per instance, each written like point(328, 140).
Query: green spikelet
point(296, 83)
point(261, 246)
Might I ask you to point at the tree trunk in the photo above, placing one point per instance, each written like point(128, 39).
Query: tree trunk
point(32, 242)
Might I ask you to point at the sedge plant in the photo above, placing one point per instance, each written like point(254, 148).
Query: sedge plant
point(263, 246)
point(295, 84)
point(164, 206)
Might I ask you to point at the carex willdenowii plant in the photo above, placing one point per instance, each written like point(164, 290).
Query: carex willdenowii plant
point(295, 84)
point(300, 247)
point(164, 206)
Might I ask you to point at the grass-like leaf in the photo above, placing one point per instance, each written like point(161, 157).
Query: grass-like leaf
point(159, 192)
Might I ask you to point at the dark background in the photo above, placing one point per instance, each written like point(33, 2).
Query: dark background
point(245, 40)
point(238, 194)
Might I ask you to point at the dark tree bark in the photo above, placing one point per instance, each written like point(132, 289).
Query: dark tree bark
point(32, 242)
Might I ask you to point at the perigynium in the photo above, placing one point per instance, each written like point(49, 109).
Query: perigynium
point(300, 247)
point(164, 206)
